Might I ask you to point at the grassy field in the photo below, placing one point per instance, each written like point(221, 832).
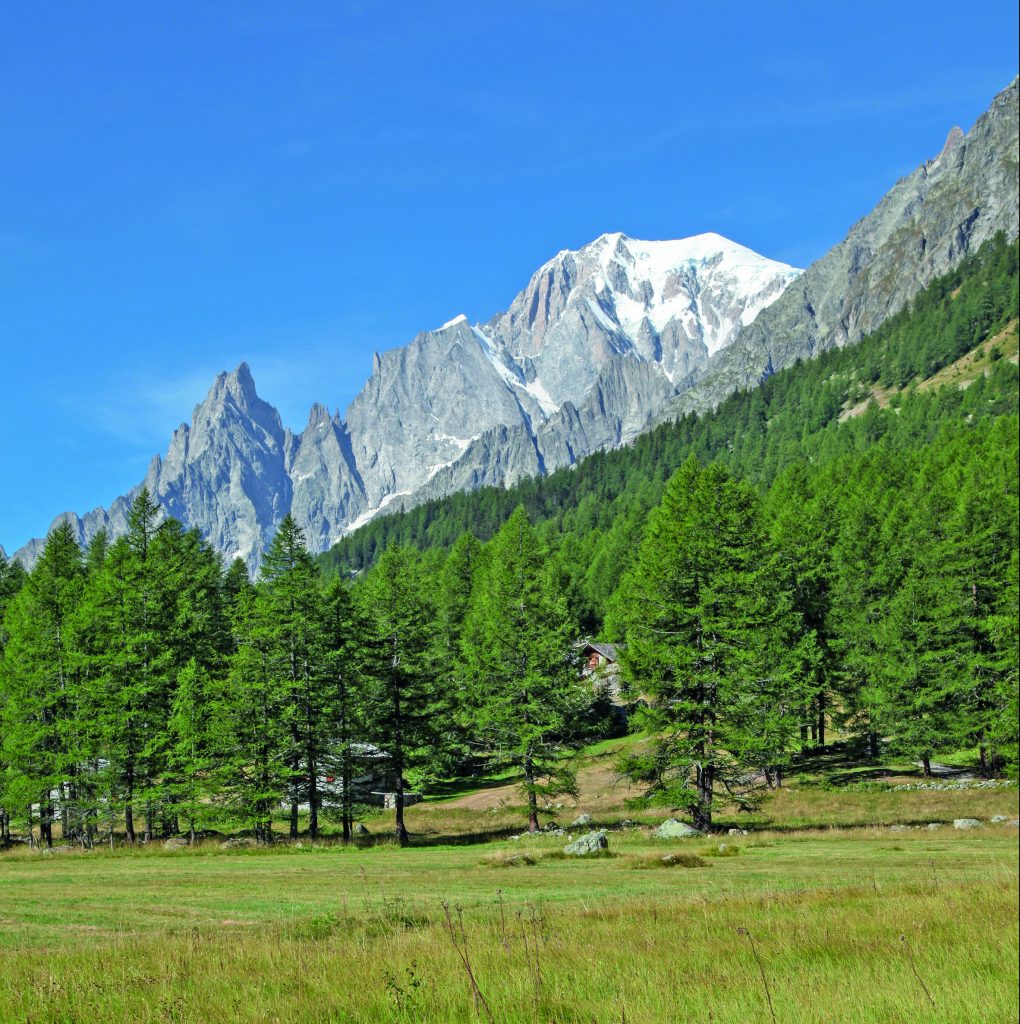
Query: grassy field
point(856, 924)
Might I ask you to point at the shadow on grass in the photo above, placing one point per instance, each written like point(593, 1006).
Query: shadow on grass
point(452, 788)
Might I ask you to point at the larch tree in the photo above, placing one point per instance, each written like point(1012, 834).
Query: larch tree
point(713, 644)
point(527, 704)
point(402, 691)
point(39, 690)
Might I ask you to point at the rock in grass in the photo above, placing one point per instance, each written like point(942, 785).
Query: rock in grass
point(57, 849)
point(967, 823)
point(998, 819)
point(176, 843)
point(360, 830)
point(580, 820)
point(899, 828)
point(683, 860)
point(676, 829)
point(736, 832)
point(933, 825)
point(593, 842)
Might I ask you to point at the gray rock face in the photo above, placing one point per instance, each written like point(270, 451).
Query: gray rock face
point(676, 829)
point(920, 229)
point(601, 344)
point(967, 823)
point(584, 846)
point(582, 359)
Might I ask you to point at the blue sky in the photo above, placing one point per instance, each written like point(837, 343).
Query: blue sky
point(183, 186)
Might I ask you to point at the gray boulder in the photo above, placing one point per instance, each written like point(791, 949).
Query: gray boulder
point(967, 823)
point(593, 842)
point(998, 819)
point(176, 843)
point(360, 830)
point(585, 819)
point(736, 832)
point(933, 826)
point(57, 849)
point(676, 829)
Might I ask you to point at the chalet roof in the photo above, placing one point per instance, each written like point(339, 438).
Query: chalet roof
point(606, 650)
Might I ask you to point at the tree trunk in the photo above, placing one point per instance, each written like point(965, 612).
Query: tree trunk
point(46, 822)
point(66, 829)
point(873, 744)
point(313, 799)
point(705, 786)
point(926, 765)
point(705, 783)
point(346, 798)
point(294, 807)
point(401, 831)
point(129, 811)
point(529, 779)
point(821, 720)
point(986, 768)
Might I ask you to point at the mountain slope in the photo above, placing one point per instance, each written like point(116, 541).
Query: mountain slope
point(922, 227)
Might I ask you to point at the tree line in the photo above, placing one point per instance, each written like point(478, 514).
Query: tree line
point(147, 691)
point(877, 593)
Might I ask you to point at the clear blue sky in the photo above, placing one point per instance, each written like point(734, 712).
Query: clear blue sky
point(183, 186)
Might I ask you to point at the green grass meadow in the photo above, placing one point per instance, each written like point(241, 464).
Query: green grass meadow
point(827, 925)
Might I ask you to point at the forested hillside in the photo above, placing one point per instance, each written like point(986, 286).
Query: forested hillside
point(773, 569)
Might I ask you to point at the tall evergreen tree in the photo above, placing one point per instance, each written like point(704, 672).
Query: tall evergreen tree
point(712, 642)
point(39, 691)
point(527, 705)
point(289, 600)
point(402, 693)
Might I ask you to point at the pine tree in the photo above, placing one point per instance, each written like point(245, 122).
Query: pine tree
point(712, 643)
point(400, 664)
point(802, 527)
point(39, 683)
point(192, 754)
point(126, 625)
point(250, 729)
point(346, 670)
point(528, 705)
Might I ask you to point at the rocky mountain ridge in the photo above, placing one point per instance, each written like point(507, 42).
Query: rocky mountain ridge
point(622, 319)
point(603, 342)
